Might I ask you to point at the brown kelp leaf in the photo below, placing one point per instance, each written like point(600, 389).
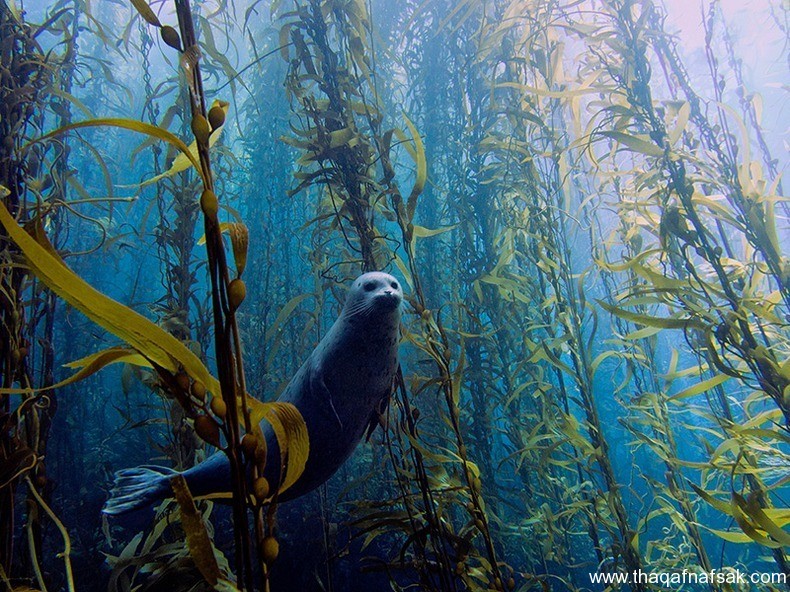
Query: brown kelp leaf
point(17, 464)
point(151, 341)
point(200, 547)
point(291, 432)
point(146, 12)
point(240, 241)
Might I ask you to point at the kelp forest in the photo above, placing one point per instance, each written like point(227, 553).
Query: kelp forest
point(585, 210)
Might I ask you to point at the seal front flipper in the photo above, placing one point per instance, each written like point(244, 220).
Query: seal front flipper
point(320, 391)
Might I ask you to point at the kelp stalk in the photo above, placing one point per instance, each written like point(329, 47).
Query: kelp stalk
point(226, 336)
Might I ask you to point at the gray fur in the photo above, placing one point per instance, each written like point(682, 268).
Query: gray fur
point(339, 391)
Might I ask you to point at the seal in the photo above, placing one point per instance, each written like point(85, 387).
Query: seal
point(340, 391)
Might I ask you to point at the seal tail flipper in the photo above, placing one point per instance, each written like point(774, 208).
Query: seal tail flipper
point(137, 488)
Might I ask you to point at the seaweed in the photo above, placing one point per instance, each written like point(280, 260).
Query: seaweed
point(590, 226)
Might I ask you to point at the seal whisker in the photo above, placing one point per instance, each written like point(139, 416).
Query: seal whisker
point(360, 308)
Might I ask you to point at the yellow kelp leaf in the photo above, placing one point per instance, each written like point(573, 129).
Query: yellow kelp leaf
point(146, 12)
point(779, 515)
point(292, 436)
point(223, 227)
point(753, 520)
point(151, 341)
point(422, 232)
point(198, 541)
point(634, 143)
point(642, 333)
point(628, 264)
point(720, 505)
point(135, 126)
point(682, 120)
point(89, 365)
point(601, 357)
point(770, 224)
point(555, 94)
point(291, 432)
point(189, 156)
point(728, 535)
point(700, 387)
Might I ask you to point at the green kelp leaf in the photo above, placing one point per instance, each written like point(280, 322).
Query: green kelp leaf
point(186, 153)
point(291, 432)
point(756, 514)
point(154, 343)
point(88, 366)
point(659, 322)
point(748, 527)
point(146, 12)
point(72, 99)
point(635, 143)
point(422, 232)
point(283, 315)
point(418, 154)
point(198, 541)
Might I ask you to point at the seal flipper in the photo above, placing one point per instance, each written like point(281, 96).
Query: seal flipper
point(137, 488)
point(320, 391)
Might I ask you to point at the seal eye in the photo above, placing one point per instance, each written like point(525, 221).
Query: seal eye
point(369, 286)
point(394, 285)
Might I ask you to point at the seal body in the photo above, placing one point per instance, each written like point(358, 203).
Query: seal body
point(339, 391)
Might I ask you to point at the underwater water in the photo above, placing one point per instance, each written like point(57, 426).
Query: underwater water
point(575, 376)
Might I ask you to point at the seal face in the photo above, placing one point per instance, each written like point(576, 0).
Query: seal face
point(339, 391)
